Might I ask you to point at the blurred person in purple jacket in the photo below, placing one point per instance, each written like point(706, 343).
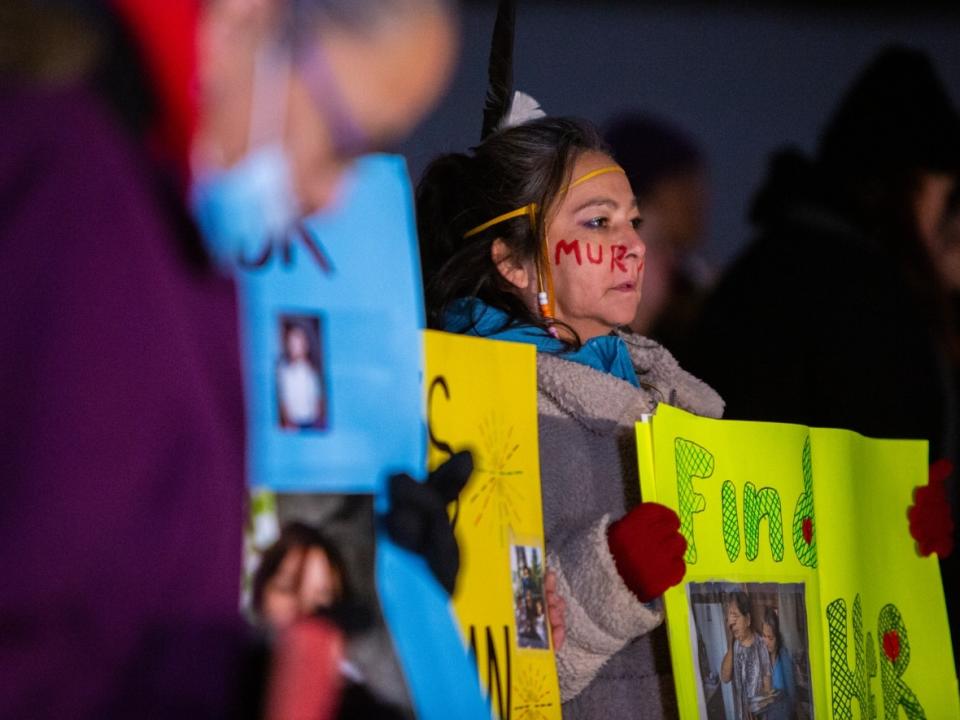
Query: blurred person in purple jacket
point(121, 430)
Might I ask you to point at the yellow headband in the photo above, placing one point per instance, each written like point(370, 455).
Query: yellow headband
point(593, 173)
point(531, 209)
point(544, 276)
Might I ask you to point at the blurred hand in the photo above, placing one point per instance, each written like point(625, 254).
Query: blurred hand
point(648, 549)
point(556, 608)
point(931, 524)
point(417, 519)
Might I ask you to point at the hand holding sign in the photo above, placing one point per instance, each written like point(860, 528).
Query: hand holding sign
point(556, 608)
point(417, 519)
point(648, 549)
point(930, 522)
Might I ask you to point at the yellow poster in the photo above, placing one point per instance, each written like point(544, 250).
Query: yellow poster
point(804, 595)
point(481, 396)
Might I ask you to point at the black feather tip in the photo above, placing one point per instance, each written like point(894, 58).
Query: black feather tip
point(500, 68)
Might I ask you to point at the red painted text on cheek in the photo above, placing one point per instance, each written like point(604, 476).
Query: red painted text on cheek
point(590, 255)
point(572, 247)
point(617, 253)
point(567, 248)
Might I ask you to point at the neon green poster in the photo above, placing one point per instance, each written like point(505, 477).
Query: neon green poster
point(804, 595)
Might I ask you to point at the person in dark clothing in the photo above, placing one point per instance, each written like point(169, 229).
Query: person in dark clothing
point(121, 435)
point(836, 314)
point(122, 429)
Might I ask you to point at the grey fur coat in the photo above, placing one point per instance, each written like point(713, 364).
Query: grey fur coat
point(615, 661)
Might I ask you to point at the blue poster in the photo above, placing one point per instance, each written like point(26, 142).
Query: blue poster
point(331, 319)
point(331, 343)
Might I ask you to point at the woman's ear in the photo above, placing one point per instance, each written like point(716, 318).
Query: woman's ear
point(509, 266)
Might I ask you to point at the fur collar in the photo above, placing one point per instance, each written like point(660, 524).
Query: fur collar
point(596, 399)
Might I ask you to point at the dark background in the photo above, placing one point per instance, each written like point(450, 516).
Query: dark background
point(743, 79)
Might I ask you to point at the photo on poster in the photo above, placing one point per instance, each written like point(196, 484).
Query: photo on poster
point(314, 553)
point(529, 600)
point(751, 650)
point(301, 390)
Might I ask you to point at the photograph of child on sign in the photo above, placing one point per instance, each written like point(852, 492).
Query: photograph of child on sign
point(752, 656)
point(301, 391)
point(529, 600)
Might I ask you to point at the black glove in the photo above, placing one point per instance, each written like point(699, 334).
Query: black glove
point(417, 519)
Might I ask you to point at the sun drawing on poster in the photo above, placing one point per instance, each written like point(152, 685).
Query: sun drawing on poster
point(533, 694)
point(495, 497)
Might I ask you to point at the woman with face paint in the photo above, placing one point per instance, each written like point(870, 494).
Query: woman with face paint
point(535, 237)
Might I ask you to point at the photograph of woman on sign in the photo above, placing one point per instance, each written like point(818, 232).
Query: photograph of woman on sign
point(747, 660)
point(301, 392)
point(781, 664)
point(742, 632)
point(312, 554)
point(302, 572)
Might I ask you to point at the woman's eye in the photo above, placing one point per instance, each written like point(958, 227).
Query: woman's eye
point(597, 222)
point(637, 223)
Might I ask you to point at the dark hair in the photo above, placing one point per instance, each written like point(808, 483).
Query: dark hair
point(295, 535)
point(771, 618)
point(897, 116)
point(895, 122)
point(529, 163)
point(742, 601)
point(288, 326)
point(652, 150)
point(56, 41)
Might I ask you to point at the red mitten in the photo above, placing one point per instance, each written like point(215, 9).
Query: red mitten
point(648, 549)
point(930, 522)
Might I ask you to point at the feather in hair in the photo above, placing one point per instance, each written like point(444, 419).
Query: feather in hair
point(500, 69)
point(522, 109)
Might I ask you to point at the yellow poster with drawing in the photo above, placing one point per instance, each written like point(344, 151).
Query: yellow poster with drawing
point(804, 595)
point(481, 396)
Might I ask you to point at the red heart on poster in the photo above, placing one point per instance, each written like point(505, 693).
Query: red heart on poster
point(891, 644)
point(808, 530)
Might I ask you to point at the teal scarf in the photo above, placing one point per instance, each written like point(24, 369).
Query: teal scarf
point(607, 353)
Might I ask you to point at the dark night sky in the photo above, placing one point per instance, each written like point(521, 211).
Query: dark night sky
point(743, 79)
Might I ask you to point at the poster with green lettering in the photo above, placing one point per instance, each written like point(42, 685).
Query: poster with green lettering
point(804, 595)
